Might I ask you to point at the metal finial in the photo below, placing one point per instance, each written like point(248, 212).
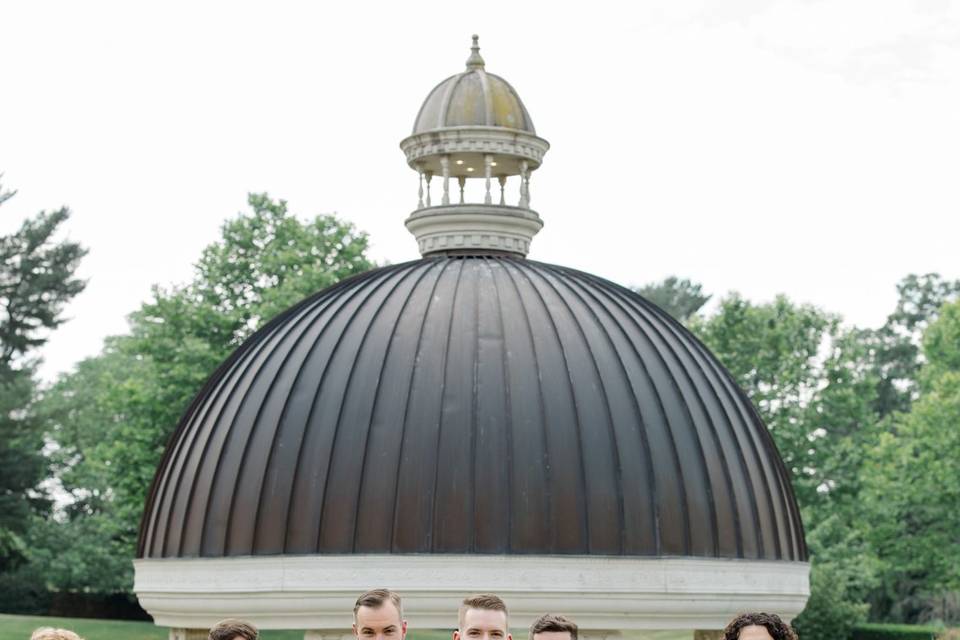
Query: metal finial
point(475, 61)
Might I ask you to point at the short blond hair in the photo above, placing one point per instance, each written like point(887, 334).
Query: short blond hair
point(49, 633)
point(375, 598)
point(484, 602)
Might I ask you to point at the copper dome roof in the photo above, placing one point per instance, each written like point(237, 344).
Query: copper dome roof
point(472, 405)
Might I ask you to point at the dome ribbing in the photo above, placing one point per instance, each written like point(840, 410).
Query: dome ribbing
point(472, 405)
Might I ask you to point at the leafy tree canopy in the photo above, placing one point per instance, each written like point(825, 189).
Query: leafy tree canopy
point(37, 279)
point(680, 298)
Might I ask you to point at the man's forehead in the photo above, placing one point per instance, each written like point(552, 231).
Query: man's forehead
point(385, 612)
point(484, 617)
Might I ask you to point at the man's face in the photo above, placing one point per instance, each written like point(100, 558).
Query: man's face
point(552, 635)
point(754, 632)
point(380, 623)
point(483, 624)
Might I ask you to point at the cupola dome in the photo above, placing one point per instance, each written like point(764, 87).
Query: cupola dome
point(473, 98)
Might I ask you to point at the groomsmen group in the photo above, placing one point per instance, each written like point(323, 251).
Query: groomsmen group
point(378, 615)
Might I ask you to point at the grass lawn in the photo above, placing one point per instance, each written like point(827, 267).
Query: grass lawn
point(19, 628)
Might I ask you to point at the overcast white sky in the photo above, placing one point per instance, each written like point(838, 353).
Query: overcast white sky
point(810, 148)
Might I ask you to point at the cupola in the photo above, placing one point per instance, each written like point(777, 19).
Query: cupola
point(473, 130)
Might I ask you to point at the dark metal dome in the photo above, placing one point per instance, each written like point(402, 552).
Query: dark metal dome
point(472, 405)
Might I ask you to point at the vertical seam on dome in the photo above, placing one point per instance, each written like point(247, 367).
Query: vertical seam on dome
point(508, 404)
point(771, 449)
point(237, 374)
point(376, 396)
point(787, 498)
point(404, 272)
point(249, 350)
point(288, 330)
point(423, 106)
point(620, 300)
point(528, 122)
point(368, 278)
point(523, 268)
point(443, 388)
point(474, 391)
point(683, 340)
point(444, 264)
point(755, 428)
point(317, 314)
point(278, 332)
point(336, 425)
point(618, 472)
point(182, 436)
point(695, 396)
point(448, 98)
point(735, 400)
point(651, 477)
point(487, 97)
point(313, 313)
point(543, 411)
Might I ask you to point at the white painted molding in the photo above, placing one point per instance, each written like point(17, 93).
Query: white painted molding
point(619, 593)
point(474, 226)
point(485, 140)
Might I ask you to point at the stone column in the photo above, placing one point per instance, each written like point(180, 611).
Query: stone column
point(420, 192)
point(189, 634)
point(429, 176)
point(488, 172)
point(524, 185)
point(707, 634)
point(503, 185)
point(462, 181)
point(445, 165)
point(328, 634)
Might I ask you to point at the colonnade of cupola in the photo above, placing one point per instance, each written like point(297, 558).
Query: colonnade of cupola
point(455, 172)
point(473, 130)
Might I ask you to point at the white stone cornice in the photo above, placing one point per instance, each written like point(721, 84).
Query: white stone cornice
point(317, 592)
point(464, 227)
point(483, 140)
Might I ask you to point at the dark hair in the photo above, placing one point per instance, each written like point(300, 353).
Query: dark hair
point(550, 622)
point(778, 629)
point(484, 601)
point(375, 599)
point(230, 629)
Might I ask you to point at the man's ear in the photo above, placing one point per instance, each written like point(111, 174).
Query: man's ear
point(403, 629)
point(357, 635)
point(509, 636)
point(456, 634)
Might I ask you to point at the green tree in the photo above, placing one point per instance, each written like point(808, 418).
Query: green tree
point(680, 298)
point(896, 345)
point(112, 416)
point(37, 279)
point(913, 484)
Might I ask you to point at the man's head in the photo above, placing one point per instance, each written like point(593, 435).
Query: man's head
point(482, 617)
point(551, 627)
point(378, 615)
point(49, 633)
point(758, 626)
point(231, 629)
